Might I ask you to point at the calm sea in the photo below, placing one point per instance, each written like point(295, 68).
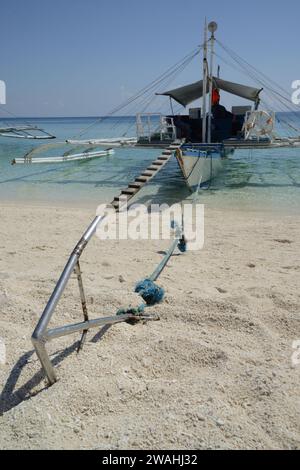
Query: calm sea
point(251, 180)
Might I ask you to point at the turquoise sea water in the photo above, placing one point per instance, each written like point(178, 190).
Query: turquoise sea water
point(256, 180)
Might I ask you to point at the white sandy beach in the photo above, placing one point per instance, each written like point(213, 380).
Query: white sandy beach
point(214, 372)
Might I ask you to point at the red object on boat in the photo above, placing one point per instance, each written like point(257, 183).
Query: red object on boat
point(215, 99)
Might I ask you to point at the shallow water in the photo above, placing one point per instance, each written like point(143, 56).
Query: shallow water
point(251, 180)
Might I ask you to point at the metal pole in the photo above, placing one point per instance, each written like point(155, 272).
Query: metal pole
point(39, 346)
point(204, 84)
point(212, 41)
point(86, 325)
point(38, 338)
point(83, 303)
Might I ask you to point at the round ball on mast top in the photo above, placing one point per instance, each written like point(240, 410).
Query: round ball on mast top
point(212, 27)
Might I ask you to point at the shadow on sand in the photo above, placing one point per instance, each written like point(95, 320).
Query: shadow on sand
point(12, 397)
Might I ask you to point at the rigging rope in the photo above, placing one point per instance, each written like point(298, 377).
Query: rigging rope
point(151, 97)
point(152, 85)
point(254, 74)
point(241, 59)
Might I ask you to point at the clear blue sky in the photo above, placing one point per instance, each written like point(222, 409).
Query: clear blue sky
point(82, 57)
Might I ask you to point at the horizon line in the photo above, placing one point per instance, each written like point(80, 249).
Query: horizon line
point(65, 117)
point(100, 117)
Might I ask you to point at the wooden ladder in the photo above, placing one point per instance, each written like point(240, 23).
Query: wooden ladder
point(135, 186)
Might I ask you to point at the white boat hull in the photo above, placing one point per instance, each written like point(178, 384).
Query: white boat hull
point(199, 167)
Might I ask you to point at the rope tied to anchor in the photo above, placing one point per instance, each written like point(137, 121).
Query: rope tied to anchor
point(150, 292)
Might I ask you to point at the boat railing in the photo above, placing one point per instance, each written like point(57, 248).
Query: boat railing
point(259, 125)
point(155, 126)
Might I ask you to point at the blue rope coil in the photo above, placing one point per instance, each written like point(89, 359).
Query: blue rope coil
point(132, 310)
point(182, 246)
point(150, 292)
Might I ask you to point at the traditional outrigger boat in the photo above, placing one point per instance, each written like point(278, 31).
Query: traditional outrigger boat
point(22, 130)
point(208, 140)
point(206, 135)
point(25, 132)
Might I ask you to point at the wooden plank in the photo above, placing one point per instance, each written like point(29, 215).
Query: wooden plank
point(135, 184)
point(163, 158)
point(142, 179)
point(129, 190)
point(153, 168)
point(121, 197)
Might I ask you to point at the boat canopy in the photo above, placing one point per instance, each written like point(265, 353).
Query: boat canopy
point(187, 94)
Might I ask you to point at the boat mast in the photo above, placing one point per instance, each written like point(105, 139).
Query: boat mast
point(204, 84)
point(212, 28)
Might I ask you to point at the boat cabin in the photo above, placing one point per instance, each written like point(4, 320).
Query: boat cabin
point(156, 129)
point(224, 124)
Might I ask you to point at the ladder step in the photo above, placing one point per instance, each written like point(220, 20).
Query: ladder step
point(166, 152)
point(121, 197)
point(129, 191)
point(147, 173)
point(141, 179)
point(157, 162)
point(163, 158)
point(135, 184)
point(153, 167)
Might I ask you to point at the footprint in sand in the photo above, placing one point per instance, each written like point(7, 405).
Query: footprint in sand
point(105, 263)
point(222, 291)
point(282, 240)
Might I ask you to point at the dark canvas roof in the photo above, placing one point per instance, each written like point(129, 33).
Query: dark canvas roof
point(189, 93)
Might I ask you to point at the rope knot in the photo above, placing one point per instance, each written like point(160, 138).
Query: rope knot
point(182, 245)
point(149, 291)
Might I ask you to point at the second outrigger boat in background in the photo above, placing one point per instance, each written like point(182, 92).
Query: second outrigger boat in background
point(25, 132)
point(204, 137)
